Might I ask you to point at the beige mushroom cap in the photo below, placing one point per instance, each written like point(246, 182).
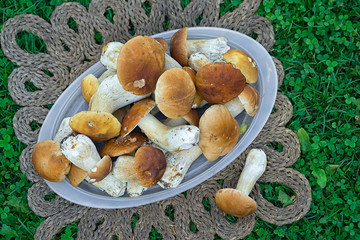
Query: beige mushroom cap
point(49, 161)
point(234, 203)
point(76, 175)
point(141, 62)
point(244, 62)
point(123, 145)
point(219, 132)
point(250, 99)
point(192, 74)
point(89, 86)
point(99, 126)
point(219, 82)
point(178, 48)
point(135, 114)
point(150, 165)
point(101, 169)
point(175, 93)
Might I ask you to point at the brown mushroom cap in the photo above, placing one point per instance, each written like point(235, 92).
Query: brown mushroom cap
point(250, 99)
point(76, 175)
point(99, 126)
point(234, 203)
point(219, 132)
point(101, 169)
point(89, 86)
point(244, 62)
point(49, 161)
point(150, 165)
point(219, 82)
point(141, 61)
point(135, 114)
point(178, 46)
point(175, 93)
point(123, 145)
point(192, 117)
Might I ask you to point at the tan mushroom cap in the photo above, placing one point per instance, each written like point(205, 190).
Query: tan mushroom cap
point(219, 82)
point(234, 203)
point(192, 117)
point(89, 86)
point(219, 132)
point(135, 114)
point(123, 145)
point(76, 175)
point(178, 46)
point(150, 165)
point(99, 126)
point(163, 42)
point(141, 62)
point(175, 93)
point(250, 99)
point(101, 169)
point(244, 62)
point(49, 161)
point(192, 73)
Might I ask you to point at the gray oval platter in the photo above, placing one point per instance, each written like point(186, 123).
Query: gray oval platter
point(71, 102)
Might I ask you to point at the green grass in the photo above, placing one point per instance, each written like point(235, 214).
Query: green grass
point(318, 43)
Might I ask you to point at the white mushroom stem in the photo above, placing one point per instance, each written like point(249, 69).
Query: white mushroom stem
point(81, 151)
point(64, 130)
point(111, 96)
point(255, 166)
point(171, 139)
point(212, 48)
point(198, 60)
point(234, 106)
point(110, 185)
point(106, 74)
point(177, 166)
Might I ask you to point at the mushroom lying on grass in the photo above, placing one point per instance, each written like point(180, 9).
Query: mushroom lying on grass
point(170, 139)
point(236, 202)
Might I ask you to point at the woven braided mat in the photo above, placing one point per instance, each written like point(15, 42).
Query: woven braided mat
point(69, 53)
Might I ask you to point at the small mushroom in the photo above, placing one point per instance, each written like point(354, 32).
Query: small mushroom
point(124, 171)
point(149, 165)
point(181, 48)
point(243, 62)
point(111, 185)
point(111, 96)
point(236, 202)
point(174, 93)
point(101, 169)
point(49, 161)
point(99, 126)
point(219, 82)
point(163, 42)
point(123, 145)
point(140, 63)
point(171, 139)
point(219, 132)
point(89, 86)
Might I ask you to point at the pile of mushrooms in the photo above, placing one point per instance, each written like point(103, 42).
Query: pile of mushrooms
point(138, 151)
